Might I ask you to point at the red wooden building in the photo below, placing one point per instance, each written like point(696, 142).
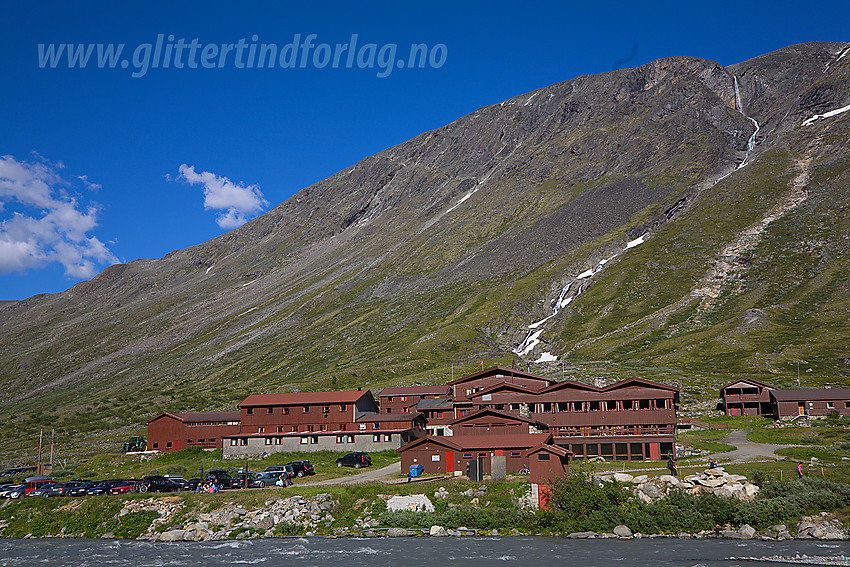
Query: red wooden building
point(318, 421)
point(452, 455)
point(174, 431)
point(404, 399)
point(747, 396)
point(547, 462)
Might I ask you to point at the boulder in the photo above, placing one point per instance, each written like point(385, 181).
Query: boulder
point(399, 532)
point(438, 531)
point(747, 532)
point(173, 535)
point(650, 490)
point(640, 479)
point(582, 535)
point(415, 502)
point(623, 531)
point(623, 477)
point(668, 479)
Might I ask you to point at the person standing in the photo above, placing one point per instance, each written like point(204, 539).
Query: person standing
point(799, 470)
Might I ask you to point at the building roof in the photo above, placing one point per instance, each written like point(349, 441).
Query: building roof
point(483, 442)
point(506, 373)
point(813, 394)
point(488, 411)
point(547, 448)
point(439, 403)
point(505, 386)
point(435, 390)
point(642, 382)
point(301, 398)
point(752, 381)
point(200, 417)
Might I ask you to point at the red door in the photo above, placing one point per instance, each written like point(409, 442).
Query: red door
point(450, 462)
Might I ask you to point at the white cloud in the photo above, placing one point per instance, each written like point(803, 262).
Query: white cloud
point(239, 202)
point(45, 223)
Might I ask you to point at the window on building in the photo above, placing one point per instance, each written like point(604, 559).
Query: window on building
point(515, 453)
point(402, 398)
point(846, 405)
point(261, 430)
point(830, 405)
point(376, 438)
point(389, 398)
point(326, 409)
point(269, 441)
point(243, 441)
point(168, 445)
point(362, 426)
point(280, 429)
point(342, 408)
point(376, 425)
point(389, 410)
point(269, 411)
point(278, 440)
point(324, 427)
point(156, 445)
point(543, 456)
point(305, 440)
point(467, 455)
point(314, 440)
point(233, 442)
point(294, 428)
point(306, 409)
point(284, 411)
point(340, 438)
point(250, 411)
point(350, 439)
point(388, 438)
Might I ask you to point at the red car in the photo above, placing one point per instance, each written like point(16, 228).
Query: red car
point(124, 487)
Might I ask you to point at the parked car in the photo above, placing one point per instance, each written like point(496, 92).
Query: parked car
point(268, 478)
point(82, 489)
point(192, 484)
point(34, 482)
point(64, 488)
point(157, 483)
point(302, 468)
point(184, 484)
point(356, 460)
point(221, 478)
point(13, 491)
point(125, 486)
point(103, 487)
point(241, 480)
point(43, 490)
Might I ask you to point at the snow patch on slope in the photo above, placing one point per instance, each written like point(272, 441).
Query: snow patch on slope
point(829, 114)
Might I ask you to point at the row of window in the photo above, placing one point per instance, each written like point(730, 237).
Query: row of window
point(592, 431)
point(310, 440)
point(600, 405)
point(619, 451)
point(210, 423)
point(304, 409)
point(315, 427)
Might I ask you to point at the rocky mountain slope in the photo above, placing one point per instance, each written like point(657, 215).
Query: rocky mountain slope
point(679, 220)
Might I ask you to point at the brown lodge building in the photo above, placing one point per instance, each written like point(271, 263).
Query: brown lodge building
point(748, 396)
point(516, 416)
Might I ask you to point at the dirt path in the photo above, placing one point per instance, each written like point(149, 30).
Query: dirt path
point(747, 450)
point(371, 475)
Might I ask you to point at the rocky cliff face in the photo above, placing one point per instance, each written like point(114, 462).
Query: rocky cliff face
point(448, 247)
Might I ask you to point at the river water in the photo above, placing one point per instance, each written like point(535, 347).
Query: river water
point(431, 552)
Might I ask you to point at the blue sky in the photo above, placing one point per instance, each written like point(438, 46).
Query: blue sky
point(100, 166)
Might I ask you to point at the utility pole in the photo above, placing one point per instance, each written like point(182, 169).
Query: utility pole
point(52, 440)
point(40, 435)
